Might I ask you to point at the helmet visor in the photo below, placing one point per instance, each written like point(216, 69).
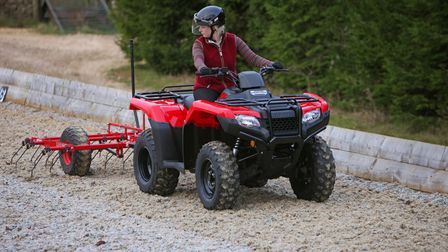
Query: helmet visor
point(197, 22)
point(195, 28)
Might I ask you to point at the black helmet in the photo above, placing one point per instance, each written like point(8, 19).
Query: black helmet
point(208, 16)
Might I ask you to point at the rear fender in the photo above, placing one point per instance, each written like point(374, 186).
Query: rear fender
point(168, 142)
point(162, 111)
point(166, 119)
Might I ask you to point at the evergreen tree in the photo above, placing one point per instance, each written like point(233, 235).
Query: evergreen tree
point(303, 34)
point(397, 56)
point(391, 55)
point(162, 29)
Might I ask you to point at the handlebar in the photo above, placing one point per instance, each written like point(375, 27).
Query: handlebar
point(232, 76)
point(225, 72)
point(270, 69)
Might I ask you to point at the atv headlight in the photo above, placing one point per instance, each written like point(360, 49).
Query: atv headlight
point(311, 116)
point(247, 121)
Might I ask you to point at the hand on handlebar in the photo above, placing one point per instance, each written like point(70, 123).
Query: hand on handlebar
point(274, 67)
point(208, 71)
point(277, 65)
point(213, 71)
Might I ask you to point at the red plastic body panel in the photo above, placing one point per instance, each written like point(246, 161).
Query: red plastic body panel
point(201, 113)
point(322, 103)
point(161, 110)
point(309, 106)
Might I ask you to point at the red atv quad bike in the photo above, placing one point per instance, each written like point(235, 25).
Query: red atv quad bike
point(245, 137)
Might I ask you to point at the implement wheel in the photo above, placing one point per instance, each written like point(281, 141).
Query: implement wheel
point(76, 162)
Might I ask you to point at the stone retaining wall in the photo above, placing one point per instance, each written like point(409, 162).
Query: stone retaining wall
point(66, 96)
point(418, 165)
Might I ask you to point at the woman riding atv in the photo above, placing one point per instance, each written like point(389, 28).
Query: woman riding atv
point(216, 48)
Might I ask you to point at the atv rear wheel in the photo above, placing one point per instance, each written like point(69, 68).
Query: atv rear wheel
point(217, 176)
point(76, 162)
point(317, 182)
point(150, 177)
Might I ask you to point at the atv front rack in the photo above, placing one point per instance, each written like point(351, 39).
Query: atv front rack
point(274, 105)
point(114, 142)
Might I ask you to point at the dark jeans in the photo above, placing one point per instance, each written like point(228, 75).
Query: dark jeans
point(205, 94)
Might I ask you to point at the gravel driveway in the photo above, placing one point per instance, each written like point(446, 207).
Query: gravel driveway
point(106, 210)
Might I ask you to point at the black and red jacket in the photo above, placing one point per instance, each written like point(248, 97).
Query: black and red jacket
point(217, 56)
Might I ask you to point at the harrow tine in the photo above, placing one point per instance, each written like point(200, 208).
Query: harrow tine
point(20, 157)
point(48, 158)
point(108, 157)
point(96, 154)
point(32, 157)
point(126, 159)
point(15, 154)
point(38, 158)
point(54, 160)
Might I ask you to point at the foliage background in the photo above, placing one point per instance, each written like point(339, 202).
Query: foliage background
point(388, 56)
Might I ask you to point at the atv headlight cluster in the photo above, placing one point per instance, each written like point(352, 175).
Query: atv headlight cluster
point(247, 121)
point(311, 116)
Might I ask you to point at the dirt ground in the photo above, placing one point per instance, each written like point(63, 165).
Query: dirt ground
point(54, 211)
point(107, 211)
point(82, 57)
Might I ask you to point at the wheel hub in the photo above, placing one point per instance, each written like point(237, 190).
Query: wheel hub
point(144, 164)
point(208, 178)
point(67, 157)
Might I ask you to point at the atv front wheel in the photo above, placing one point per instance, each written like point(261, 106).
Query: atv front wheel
point(75, 162)
point(150, 177)
point(316, 172)
point(217, 176)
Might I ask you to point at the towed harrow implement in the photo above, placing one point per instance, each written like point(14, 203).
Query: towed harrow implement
point(76, 148)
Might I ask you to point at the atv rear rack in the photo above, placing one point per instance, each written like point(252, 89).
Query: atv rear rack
point(168, 92)
point(287, 99)
point(113, 142)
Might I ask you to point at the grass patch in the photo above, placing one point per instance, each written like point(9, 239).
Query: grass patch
point(146, 79)
point(40, 27)
point(16, 23)
point(378, 122)
point(95, 30)
point(51, 28)
point(47, 28)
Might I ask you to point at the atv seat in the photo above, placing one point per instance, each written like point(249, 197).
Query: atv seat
point(231, 91)
point(250, 80)
point(187, 100)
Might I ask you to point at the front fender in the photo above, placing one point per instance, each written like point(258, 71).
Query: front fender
point(203, 113)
